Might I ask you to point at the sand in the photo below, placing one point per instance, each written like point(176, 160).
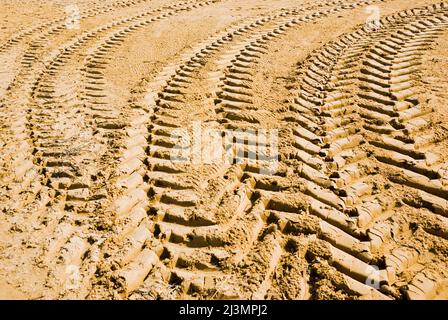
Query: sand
point(112, 111)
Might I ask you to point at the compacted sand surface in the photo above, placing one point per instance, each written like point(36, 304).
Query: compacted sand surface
point(223, 149)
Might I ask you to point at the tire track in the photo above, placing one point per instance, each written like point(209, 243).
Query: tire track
point(31, 55)
point(404, 138)
point(24, 81)
point(32, 80)
point(84, 14)
point(329, 143)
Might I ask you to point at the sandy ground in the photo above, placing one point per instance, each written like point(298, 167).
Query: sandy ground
point(111, 110)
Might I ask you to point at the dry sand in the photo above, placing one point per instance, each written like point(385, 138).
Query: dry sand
point(93, 207)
